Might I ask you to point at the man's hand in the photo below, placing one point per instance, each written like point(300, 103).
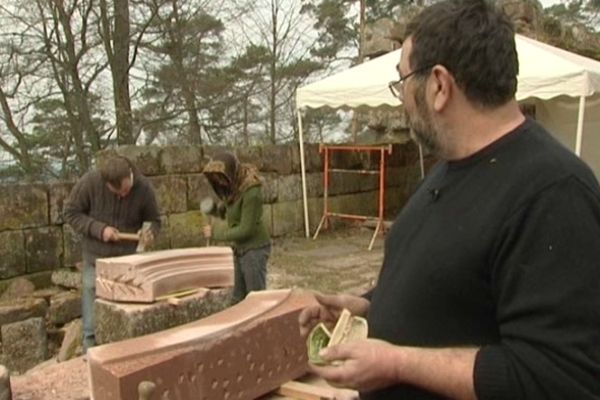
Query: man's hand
point(207, 231)
point(372, 364)
point(110, 234)
point(329, 309)
point(363, 365)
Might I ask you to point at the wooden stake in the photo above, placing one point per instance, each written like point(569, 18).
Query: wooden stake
point(305, 391)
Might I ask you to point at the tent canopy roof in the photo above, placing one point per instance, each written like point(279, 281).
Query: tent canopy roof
point(545, 72)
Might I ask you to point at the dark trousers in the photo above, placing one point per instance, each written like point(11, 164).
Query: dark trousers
point(250, 271)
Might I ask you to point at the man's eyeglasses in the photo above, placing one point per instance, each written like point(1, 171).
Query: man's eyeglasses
point(397, 87)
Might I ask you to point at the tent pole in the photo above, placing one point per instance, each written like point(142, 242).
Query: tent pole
point(421, 162)
point(303, 172)
point(580, 116)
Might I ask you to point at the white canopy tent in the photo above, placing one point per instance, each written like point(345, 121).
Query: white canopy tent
point(564, 87)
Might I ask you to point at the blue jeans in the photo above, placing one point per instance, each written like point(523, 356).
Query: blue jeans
point(250, 272)
point(88, 296)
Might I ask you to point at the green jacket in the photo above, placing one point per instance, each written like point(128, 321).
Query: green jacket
point(245, 227)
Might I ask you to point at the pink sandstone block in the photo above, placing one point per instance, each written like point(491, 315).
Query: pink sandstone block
point(240, 353)
point(146, 276)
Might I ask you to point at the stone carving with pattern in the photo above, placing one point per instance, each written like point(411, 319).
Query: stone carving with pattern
point(240, 353)
point(145, 277)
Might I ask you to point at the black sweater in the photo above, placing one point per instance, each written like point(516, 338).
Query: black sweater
point(92, 206)
point(500, 251)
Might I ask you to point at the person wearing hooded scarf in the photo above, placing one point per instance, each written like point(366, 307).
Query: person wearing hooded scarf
point(239, 190)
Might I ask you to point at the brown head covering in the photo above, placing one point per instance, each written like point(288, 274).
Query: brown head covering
point(229, 178)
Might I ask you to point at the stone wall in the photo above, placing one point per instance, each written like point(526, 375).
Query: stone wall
point(35, 242)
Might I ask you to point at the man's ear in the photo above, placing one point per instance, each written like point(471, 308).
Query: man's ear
point(442, 86)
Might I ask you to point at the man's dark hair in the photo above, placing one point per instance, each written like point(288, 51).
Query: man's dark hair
point(475, 41)
point(114, 169)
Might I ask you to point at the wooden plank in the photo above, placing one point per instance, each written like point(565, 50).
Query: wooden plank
point(305, 391)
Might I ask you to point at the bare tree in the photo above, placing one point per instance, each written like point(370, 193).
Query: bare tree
point(64, 54)
point(280, 27)
point(51, 56)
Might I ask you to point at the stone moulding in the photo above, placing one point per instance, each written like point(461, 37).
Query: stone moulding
point(240, 353)
point(145, 277)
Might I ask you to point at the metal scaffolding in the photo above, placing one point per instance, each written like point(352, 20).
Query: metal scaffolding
point(327, 150)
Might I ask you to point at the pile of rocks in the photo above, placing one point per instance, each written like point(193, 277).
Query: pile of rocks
point(40, 325)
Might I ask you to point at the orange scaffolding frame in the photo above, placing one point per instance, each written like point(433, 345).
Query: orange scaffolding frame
point(327, 149)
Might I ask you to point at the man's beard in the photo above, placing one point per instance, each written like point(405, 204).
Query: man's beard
point(422, 129)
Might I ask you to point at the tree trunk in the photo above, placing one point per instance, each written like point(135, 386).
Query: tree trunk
point(273, 73)
point(245, 123)
point(116, 43)
point(120, 72)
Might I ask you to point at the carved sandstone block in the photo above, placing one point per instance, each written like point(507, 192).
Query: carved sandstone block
point(241, 353)
point(145, 277)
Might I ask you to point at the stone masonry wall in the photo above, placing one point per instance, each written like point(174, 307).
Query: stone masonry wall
point(35, 242)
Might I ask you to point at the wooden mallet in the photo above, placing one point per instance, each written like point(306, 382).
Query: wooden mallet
point(137, 237)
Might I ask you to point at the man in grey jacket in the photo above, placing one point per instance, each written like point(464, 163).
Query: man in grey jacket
point(114, 198)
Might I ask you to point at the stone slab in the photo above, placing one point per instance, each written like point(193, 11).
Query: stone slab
point(71, 344)
point(19, 287)
point(67, 277)
point(64, 307)
point(181, 159)
point(23, 206)
point(13, 261)
point(241, 353)
point(118, 321)
point(44, 247)
point(170, 193)
point(21, 309)
point(24, 344)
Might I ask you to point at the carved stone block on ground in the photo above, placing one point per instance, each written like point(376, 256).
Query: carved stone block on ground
point(118, 321)
point(24, 344)
point(241, 353)
point(145, 277)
